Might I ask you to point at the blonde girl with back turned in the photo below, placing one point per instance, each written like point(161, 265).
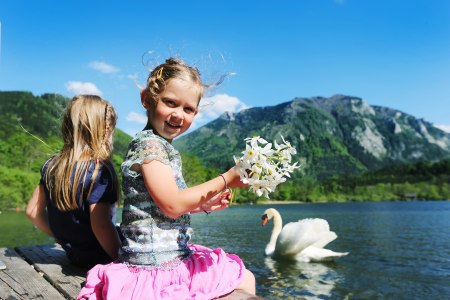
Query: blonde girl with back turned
point(156, 259)
point(76, 197)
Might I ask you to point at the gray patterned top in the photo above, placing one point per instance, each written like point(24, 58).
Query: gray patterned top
point(152, 239)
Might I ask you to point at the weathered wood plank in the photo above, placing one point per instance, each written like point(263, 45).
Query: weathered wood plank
point(51, 260)
point(20, 281)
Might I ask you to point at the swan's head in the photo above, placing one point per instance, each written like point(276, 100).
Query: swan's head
point(264, 219)
point(267, 215)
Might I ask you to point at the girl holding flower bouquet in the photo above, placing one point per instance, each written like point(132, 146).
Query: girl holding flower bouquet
point(156, 260)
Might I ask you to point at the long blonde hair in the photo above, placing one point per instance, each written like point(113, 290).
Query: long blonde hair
point(87, 126)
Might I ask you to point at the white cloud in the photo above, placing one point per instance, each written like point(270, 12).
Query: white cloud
point(213, 107)
point(103, 67)
point(445, 128)
point(136, 117)
point(78, 87)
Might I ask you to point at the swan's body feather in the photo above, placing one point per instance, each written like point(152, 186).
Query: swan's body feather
point(302, 240)
point(314, 254)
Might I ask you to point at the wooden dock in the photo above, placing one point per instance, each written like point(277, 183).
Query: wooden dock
point(44, 272)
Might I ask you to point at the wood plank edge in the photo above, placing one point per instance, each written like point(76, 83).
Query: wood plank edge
point(43, 274)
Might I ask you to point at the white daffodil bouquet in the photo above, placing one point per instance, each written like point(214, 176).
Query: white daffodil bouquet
point(262, 167)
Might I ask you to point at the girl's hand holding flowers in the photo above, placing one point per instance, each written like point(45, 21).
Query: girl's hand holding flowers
point(218, 202)
point(262, 167)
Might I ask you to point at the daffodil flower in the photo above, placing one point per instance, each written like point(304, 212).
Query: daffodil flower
point(263, 167)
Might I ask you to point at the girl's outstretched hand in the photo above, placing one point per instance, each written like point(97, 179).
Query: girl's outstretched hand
point(218, 202)
point(234, 178)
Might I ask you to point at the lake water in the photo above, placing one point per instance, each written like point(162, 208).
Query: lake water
point(398, 250)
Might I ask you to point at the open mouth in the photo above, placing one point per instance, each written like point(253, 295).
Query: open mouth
point(173, 125)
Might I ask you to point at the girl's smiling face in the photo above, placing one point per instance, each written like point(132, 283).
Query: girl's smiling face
point(174, 112)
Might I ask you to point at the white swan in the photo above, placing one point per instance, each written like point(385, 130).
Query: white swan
point(302, 240)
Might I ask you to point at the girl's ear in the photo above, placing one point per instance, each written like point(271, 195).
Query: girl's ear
point(144, 99)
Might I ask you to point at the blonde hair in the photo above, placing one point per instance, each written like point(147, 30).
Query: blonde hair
point(88, 122)
point(172, 68)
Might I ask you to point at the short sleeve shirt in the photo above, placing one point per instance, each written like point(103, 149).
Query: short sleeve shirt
point(152, 239)
point(73, 228)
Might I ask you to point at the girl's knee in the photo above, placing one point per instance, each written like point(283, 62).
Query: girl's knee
point(249, 283)
point(250, 277)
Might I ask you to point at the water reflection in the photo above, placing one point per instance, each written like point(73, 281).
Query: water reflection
point(306, 280)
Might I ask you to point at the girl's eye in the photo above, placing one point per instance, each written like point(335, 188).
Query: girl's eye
point(189, 110)
point(169, 102)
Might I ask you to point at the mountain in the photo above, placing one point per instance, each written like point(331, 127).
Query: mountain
point(333, 136)
point(29, 135)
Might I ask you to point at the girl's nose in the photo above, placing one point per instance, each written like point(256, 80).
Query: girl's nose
point(177, 114)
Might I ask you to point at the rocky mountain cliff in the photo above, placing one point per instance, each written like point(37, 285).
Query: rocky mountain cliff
point(333, 136)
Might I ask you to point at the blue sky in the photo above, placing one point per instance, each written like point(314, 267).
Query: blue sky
point(388, 52)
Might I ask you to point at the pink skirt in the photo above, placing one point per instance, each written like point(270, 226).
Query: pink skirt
point(206, 274)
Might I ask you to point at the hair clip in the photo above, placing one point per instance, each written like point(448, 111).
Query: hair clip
point(159, 74)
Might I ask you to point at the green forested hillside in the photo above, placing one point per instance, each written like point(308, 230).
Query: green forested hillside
point(423, 180)
point(30, 134)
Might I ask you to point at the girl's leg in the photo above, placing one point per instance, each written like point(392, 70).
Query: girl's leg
point(248, 284)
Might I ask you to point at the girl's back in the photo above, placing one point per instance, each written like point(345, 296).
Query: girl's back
point(78, 190)
point(72, 228)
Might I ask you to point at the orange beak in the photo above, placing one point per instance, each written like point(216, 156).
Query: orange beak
point(264, 219)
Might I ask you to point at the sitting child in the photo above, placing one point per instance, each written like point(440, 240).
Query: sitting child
point(156, 259)
point(75, 199)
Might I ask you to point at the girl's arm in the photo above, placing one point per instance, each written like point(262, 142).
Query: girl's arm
point(36, 210)
point(161, 185)
point(103, 228)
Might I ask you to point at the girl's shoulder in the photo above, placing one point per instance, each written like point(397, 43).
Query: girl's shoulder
point(106, 166)
point(146, 138)
point(148, 134)
point(147, 146)
point(46, 165)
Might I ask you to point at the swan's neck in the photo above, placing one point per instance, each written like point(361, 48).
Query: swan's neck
point(277, 226)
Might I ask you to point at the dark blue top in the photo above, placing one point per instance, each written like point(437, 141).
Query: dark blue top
point(73, 228)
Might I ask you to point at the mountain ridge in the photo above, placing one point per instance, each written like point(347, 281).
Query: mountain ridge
point(336, 135)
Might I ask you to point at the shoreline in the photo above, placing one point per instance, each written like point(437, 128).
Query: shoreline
point(280, 202)
point(270, 202)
